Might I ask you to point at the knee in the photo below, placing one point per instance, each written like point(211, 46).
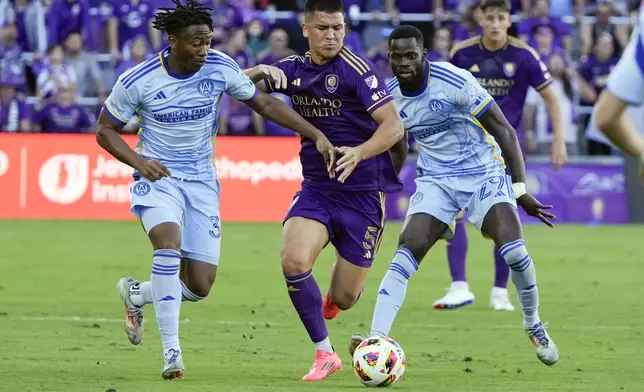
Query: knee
point(417, 245)
point(294, 261)
point(198, 286)
point(166, 236)
point(344, 299)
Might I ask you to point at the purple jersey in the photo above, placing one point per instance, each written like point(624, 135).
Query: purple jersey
point(596, 72)
point(54, 118)
point(12, 112)
point(506, 73)
point(560, 28)
point(65, 18)
point(133, 19)
point(338, 98)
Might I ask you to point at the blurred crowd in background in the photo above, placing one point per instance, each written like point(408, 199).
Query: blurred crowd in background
point(60, 58)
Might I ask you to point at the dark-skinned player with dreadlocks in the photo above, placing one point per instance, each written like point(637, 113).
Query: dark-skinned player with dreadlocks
point(176, 193)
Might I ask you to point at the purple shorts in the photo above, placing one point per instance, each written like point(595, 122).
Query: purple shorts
point(355, 220)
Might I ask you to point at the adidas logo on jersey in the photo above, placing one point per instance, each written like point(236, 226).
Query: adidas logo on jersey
point(403, 114)
point(475, 68)
point(160, 95)
point(296, 82)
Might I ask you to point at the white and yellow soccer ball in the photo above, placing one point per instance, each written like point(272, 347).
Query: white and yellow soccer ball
point(379, 362)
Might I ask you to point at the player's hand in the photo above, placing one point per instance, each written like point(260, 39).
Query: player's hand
point(534, 208)
point(153, 170)
point(325, 148)
point(275, 75)
point(351, 156)
point(558, 155)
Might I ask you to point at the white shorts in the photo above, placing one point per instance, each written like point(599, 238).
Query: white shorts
point(626, 80)
point(444, 198)
point(193, 205)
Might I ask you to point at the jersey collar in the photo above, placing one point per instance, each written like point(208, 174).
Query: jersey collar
point(163, 58)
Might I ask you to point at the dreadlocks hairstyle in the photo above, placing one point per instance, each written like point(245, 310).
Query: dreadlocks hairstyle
point(172, 20)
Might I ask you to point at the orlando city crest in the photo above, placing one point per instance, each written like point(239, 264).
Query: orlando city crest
point(206, 87)
point(331, 83)
point(509, 69)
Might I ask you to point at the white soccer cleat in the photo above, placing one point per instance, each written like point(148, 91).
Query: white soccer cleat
point(455, 298)
point(133, 313)
point(173, 365)
point(546, 348)
point(500, 300)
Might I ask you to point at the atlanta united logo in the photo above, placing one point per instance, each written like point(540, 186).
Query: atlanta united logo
point(206, 87)
point(509, 69)
point(331, 83)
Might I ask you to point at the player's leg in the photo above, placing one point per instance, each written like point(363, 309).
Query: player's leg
point(304, 235)
point(493, 210)
point(431, 208)
point(459, 293)
point(201, 239)
point(159, 207)
point(358, 220)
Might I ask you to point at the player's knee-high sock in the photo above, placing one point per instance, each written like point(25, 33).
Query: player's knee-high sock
point(307, 299)
point(501, 270)
point(187, 295)
point(391, 293)
point(524, 277)
point(166, 295)
point(142, 294)
point(457, 252)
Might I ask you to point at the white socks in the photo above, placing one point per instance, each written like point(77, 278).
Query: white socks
point(524, 277)
point(166, 295)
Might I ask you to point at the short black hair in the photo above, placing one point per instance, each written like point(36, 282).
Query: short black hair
point(327, 6)
point(502, 4)
point(407, 31)
point(172, 20)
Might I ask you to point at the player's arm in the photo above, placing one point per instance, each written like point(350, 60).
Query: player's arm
point(118, 109)
point(399, 152)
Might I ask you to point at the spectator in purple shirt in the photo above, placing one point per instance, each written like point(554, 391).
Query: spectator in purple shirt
point(14, 111)
point(277, 48)
point(139, 52)
point(63, 115)
point(131, 19)
point(29, 17)
point(441, 45)
point(541, 17)
point(54, 73)
point(66, 17)
point(225, 16)
point(468, 25)
point(544, 39)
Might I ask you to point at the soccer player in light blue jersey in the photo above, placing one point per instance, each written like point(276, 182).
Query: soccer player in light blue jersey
point(463, 138)
point(176, 193)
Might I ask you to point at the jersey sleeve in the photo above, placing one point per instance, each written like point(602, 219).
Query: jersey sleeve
point(455, 58)
point(123, 102)
point(238, 85)
point(360, 74)
point(473, 96)
point(287, 65)
point(537, 72)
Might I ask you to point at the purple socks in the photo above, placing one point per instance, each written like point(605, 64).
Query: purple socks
point(307, 300)
point(501, 270)
point(457, 252)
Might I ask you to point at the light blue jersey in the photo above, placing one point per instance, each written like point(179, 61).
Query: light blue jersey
point(442, 117)
point(179, 113)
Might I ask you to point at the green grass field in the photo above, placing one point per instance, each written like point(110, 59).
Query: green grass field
point(61, 328)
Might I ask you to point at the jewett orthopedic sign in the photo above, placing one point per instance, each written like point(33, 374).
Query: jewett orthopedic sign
point(71, 177)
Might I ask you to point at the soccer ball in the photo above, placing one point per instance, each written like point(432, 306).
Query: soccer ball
point(379, 362)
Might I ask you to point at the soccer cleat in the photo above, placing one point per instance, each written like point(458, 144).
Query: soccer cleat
point(133, 313)
point(500, 300)
point(325, 364)
point(454, 299)
point(546, 348)
point(355, 341)
point(329, 309)
point(173, 365)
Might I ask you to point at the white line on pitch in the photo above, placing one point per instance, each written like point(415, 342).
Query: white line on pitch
point(81, 319)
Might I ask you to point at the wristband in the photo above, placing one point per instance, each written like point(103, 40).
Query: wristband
point(519, 189)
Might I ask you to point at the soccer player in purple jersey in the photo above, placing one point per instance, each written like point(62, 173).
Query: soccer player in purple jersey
point(506, 67)
point(340, 93)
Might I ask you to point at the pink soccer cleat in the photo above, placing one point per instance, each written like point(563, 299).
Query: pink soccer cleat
point(325, 364)
point(329, 308)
